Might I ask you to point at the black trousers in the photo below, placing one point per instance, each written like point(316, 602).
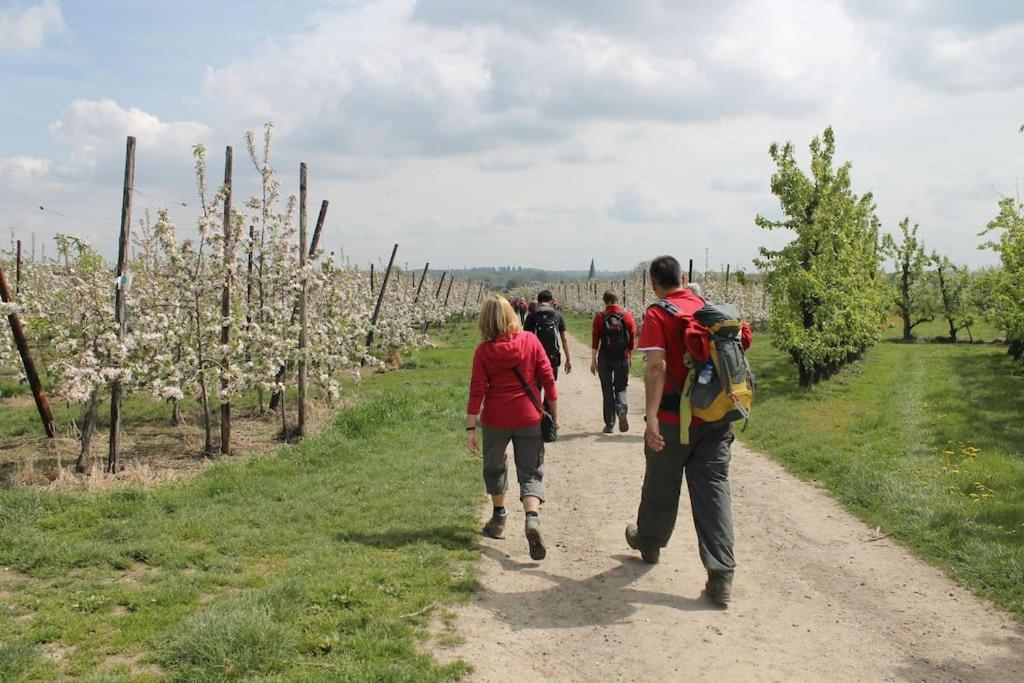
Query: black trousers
point(614, 376)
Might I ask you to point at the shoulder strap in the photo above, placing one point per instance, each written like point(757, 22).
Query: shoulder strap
point(666, 306)
point(529, 392)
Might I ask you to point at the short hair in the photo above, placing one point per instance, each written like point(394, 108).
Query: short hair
point(545, 296)
point(497, 319)
point(666, 272)
point(610, 298)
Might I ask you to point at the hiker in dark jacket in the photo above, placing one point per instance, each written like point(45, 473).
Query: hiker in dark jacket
point(611, 350)
point(506, 359)
point(549, 326)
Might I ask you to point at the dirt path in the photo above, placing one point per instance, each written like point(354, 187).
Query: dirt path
point(815, 597)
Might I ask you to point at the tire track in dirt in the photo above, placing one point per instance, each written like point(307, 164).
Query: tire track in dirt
point(815, 597)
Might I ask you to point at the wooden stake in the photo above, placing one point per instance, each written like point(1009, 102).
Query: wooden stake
point(225, 310)
point(119, 298)
point(423, 278)
point(17, 273)
point(42, 403)
point(302, 298)
point(689, 277)
point(440, 284)
point(727, 269)
point(380, 299)
point(372, 287)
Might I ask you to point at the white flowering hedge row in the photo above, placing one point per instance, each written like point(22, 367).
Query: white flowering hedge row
point(172, 349)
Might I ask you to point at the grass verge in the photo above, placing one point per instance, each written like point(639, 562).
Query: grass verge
point(321, 562)
point(924, 440)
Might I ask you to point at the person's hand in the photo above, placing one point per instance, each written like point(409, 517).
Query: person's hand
point(593, 367)
point(568, 366)
point(653, 436)
point(471, 442)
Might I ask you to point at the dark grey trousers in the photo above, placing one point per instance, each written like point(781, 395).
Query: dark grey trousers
point(614, 376)
point(705, 462)
point(528, 450)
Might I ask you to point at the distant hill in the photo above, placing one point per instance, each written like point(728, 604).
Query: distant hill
point(510, 277)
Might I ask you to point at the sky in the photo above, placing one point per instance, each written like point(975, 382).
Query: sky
point(529, 132)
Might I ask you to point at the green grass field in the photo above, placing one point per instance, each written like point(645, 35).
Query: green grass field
point(925, 440)
point(323, 561)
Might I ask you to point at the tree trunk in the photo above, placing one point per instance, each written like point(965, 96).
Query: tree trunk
point(175, 413)
point(88, 429)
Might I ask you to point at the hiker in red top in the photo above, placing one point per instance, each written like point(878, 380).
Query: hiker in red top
point(664, 340)
point(507, 359)
point(611, 350)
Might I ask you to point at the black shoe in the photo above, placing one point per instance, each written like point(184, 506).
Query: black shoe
point(623, 415)
point(608, 429)
point(719, 589)
point(533, 537)
point(495, 527)
point(650, 553)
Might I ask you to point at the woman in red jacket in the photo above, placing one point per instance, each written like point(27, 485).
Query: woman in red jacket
point(509, 414)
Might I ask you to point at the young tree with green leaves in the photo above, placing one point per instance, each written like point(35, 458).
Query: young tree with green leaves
point(826, 290)
point(913, 300)
point(954, 289)
point(1007, 290)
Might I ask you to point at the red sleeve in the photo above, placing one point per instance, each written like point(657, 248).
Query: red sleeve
point(652, 336)
point(595, 336)
point(695, 339)
point(631, 327)
point(543, 371)
point(477, 383)
point(746, 336)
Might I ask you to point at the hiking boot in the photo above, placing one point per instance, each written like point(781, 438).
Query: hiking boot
point(719, 589)
point(495, 527)
point(623, 414)
point(650, 553)
point(608, 429)
point(533, 537)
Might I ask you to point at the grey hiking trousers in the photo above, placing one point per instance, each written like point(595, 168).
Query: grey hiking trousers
point(528, 449)
point(705, 462)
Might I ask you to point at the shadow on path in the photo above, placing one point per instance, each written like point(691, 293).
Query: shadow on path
point(602, 599)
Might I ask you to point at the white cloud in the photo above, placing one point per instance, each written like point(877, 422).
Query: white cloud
point(29, 28)
point(645, 203)
point(24, 166)
point(96, 129)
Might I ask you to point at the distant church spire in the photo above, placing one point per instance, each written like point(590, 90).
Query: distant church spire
point(593, 272)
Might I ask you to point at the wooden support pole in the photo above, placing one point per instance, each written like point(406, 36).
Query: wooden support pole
point(423, 279)
point(18, 330)
point(120, 292)
point(380, 299)
point(17, 272)
point(303, 353)
point(465, 300)
point(225, 310)
point(727, 269)
point(480, 294)
point(689, 276)
point(623, 293)
point(276, 397)
point(440, 284)
point(372, 287)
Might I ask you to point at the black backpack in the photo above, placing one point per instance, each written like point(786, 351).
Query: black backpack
point(546, 329)
point(614, 336)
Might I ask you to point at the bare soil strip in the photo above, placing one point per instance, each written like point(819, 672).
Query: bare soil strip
point(818, 596)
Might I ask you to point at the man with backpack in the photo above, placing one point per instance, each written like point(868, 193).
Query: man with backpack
point(674, 342)
point(549, 326)
point(611, 351)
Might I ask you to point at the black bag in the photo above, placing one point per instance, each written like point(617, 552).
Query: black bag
point(614, 336)
point(548, 428)
point(546, 329)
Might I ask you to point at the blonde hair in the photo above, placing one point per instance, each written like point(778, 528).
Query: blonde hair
point(497, 319)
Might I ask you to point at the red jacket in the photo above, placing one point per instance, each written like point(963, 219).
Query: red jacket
point(598, 327)
point(496, 387)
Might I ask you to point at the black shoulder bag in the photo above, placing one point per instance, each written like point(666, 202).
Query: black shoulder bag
point(548, 428)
